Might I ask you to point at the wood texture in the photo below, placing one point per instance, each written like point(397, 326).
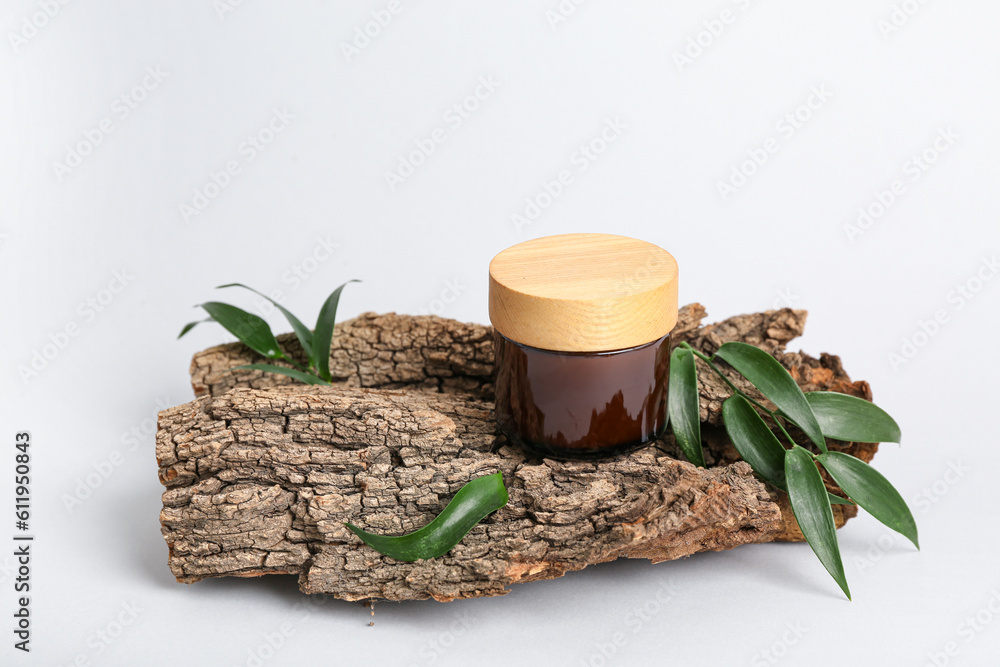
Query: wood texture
point(261, 473)
point(583, 292)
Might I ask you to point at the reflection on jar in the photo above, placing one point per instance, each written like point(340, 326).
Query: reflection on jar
point(581, 404)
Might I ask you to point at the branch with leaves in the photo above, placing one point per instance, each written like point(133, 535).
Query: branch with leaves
point(255, 333)
point(792, 468)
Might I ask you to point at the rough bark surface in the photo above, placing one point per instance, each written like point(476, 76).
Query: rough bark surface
point(261, 472)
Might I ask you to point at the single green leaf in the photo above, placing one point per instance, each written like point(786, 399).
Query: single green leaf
point(473, 503)
point(757, 443)
point(869, 489)
point(682, 405)
point(853, 419)
point(301, 331)
point(290, 372)
point(250, 329)
point(812, 511)
point(754, 440)
point(771, 378)
point(192, 325)
point(323, 334)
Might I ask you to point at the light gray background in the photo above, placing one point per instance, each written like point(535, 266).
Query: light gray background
point(780, 239)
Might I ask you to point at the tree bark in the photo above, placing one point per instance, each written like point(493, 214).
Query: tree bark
point(262, 472)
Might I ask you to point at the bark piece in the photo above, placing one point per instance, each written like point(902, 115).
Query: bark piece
point(261, 481)
point(261, 472)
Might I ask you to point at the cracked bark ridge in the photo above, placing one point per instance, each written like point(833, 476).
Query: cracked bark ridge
point(386, 351)
point(261, 472)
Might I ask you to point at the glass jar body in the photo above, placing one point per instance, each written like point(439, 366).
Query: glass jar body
point(573, 405)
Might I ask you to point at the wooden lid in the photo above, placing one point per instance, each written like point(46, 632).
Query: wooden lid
point(583, 292)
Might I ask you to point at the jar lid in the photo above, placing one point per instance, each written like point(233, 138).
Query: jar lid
point(583, 292)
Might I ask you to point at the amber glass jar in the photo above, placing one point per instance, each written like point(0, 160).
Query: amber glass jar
point(582, 343)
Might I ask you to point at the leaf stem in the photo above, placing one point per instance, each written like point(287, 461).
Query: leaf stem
point(788, 435)
point(297, 365)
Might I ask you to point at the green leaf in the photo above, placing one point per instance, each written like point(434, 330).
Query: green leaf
point(754, 440)
point(192, 325)
point(301, 331)
point(771, 378)
point(473, 503)
point(757, 443)
point(812, 511)
point(682, 405)
point(323, 334)
point(853, 419)
point(872, 491)
point(290, 372)
point(250, 329)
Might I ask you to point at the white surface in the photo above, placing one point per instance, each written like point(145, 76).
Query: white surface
point(779, 240)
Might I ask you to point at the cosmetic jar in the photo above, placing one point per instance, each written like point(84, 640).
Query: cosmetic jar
point(581, 328)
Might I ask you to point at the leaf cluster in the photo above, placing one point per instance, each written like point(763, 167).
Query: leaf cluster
point(794, 468)
point(256, 334)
